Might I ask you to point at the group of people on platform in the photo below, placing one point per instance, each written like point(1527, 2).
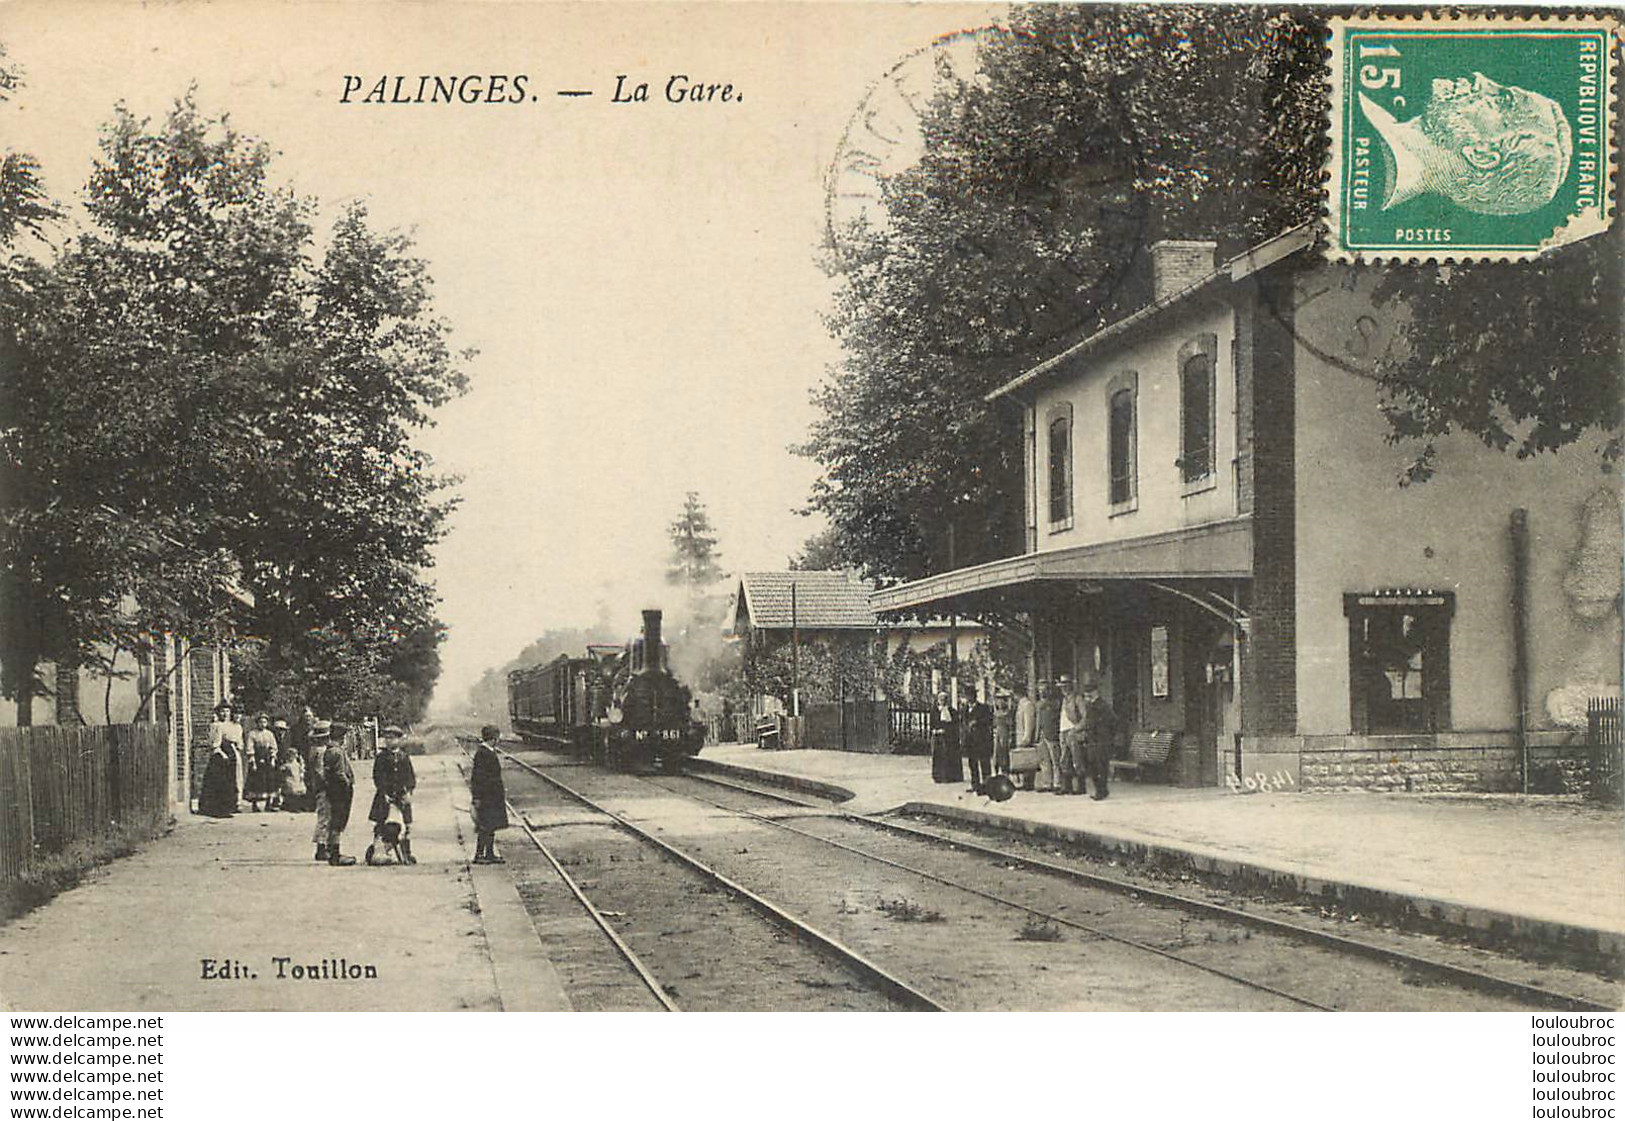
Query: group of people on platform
point(306, 767)
point(1057, 739)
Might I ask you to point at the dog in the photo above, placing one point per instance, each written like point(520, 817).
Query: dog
point(386, 836)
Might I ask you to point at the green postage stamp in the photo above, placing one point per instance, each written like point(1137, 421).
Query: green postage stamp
point(1470, 137)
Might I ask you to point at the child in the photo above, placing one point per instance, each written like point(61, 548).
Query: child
point(291, 793)
point(489, 797)
point(392, 774)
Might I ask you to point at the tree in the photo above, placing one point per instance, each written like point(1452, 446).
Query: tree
point(24, 205)
point(199, 407)
point(820, 553)
point(343, 675)
point(825, 668)
point(693, 565)
point(1526, 367)
point(1089, 134)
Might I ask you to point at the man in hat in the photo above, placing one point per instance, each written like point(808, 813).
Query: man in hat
point(338, 786)
point(1069, 773)
point(1094, 735)
point(1047, 713)
point(1027, 733)
point(978, 739)
point(317, 733)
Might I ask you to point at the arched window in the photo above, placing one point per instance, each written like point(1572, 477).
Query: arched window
point(1121, 438)
point(1197, 368)
point(1060, 465)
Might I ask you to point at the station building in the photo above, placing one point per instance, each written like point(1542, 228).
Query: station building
point(1214, 522)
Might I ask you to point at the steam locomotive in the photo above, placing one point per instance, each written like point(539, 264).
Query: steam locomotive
point(618, 705)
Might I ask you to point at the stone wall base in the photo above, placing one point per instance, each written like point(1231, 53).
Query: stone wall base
point(1449, 762)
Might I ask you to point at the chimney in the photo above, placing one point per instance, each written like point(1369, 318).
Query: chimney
point(651, 641)
point(1176, 265)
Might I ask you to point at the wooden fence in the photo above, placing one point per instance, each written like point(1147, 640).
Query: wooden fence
point(737, 728)
point(852, 726)
point(63, 785)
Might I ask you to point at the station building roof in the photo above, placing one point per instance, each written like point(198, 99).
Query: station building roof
point(823, 601)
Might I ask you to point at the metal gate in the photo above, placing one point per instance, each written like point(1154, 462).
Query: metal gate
point(1603, 746)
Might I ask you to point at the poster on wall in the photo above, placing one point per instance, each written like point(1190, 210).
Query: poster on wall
point(1159, 661)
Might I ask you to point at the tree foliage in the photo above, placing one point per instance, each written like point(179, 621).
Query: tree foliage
point(203, 401)
point(819, 553)
point(826, 668)
point(1527, 367)
point(693, 564)
point(1090, 133)
point(342, 675)
point(24, 205)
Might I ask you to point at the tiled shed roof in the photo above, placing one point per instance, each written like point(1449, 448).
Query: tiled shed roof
point(824, 600)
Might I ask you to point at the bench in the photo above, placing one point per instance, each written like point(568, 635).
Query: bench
point(1147, 751)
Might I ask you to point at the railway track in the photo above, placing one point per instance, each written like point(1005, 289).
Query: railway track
point(1415, 964)
point(788, 968)
point(1143, 922)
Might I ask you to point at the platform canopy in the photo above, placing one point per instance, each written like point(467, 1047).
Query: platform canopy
point(1215, 551)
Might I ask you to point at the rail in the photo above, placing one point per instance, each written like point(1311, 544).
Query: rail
point(898, 988)
point(1470, 978)
point(629, 955)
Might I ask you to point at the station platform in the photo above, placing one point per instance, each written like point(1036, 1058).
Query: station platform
point(1534, 869)
point(241, 892)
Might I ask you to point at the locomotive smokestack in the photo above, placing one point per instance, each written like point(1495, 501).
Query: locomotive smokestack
point(651, 640)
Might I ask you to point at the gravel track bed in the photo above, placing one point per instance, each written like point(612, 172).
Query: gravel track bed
point(967, 952)
point(710, 950)
point(1323, 974)
point(1329, 920)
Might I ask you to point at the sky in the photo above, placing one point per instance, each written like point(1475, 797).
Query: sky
point(640, 278)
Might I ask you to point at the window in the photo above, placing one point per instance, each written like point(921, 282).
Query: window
point(1060, 465)
point(1399, 661)
point(1197, 362)
point(1120, 440)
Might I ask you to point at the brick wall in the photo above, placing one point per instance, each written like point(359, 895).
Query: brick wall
point(1241, 360)
point(1477, 762)
point(67, 695)
point(1176, 265)
point(1269, 663)
point(201, 667)
point(1413, 770)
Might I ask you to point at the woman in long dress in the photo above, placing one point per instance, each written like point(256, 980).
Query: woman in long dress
point(225, 730)
point(945, 764)
point(262, 777)
point(218, 798)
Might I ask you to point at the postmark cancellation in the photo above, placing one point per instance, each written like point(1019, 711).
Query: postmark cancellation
point(1470, 137)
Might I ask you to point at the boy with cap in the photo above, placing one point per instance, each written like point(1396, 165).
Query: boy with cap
point(489, 797)
point(338, 785)
point(395, 779)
